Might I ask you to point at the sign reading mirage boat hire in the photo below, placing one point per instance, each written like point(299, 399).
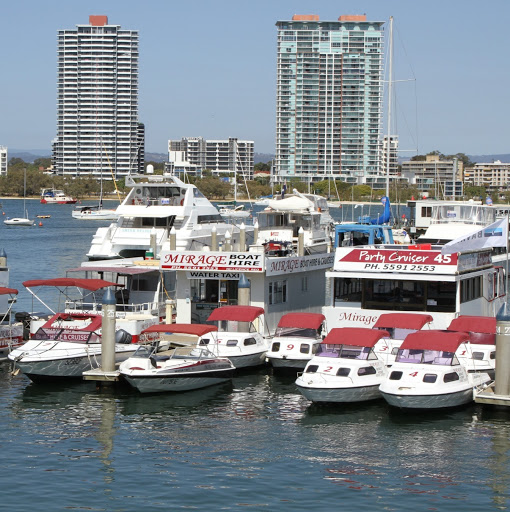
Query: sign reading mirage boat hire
point(212, 261)
point(395, 260)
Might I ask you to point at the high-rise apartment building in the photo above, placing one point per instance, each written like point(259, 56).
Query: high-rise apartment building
point(3, 161)
point(329, 98)
point(218, 156)
point(97, 112)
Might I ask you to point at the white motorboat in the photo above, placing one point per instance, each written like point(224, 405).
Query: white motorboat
point(304, 203)
point(427, 373)
point(479, 355)
point(54, 196)
point(84, 296)
point(398, 325)
point(235, 212)
point(295, 341)
point(65, 346)
point(154, 206)
point(279, 232)
point(345, 367)
point(11, 334)
point(236, 338)
point(94, 212)
point(151, 370)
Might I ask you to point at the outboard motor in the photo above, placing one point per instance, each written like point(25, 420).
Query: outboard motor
point(24, 318)
point(123, 337)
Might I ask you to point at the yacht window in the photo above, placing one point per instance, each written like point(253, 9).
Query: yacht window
point(348, 290)
point(295, 332)
point(493, 355)
point(343, 372)
point(197, 193)
point(395, 375)
point(250, 341)
point(367, 370)
point(275, 347)
point(470, 289)
point(304, 348)
point(430, 378)
point(231, 343)
point(209, 219)
point(312, 368)
point(451, 377)
point(478, 356)
point(204, 341)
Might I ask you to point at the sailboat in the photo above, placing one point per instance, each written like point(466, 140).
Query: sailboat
point(95, 212)
point(21, 221)
point(233, 210)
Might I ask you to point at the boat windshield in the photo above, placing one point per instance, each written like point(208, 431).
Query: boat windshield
point(438, 357)
point(68, 335)
point(234, 326)
point(345, 351)
point(296, 332)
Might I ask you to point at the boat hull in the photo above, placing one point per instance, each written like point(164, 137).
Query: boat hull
point(288, 363)
point(71, 367)
point(340, 394)
point(438, 401)
point(247, 360)
point(173, 382)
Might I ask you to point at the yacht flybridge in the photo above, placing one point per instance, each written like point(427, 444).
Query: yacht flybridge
point(154, 207)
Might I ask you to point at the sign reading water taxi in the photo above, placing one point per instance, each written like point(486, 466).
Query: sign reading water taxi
point(212, 261)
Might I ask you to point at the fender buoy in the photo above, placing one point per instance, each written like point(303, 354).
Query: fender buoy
point(182, 202)
point(40, 224)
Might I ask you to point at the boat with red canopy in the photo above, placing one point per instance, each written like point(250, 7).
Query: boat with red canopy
point(345, 368)
point(398, 325)
point(295, 340)
point(161, 367)
point(479, 355)
point(238, 337)
point(427, 373)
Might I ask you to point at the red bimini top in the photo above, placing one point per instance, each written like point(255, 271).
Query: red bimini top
point(8, 291)
point(238, 313)
point(402, 321)
point(194, 329)
point(435, 340)
point(302, 320)
point(354, 336)
point(481, 329)
point(486, 324)
point(88, 284)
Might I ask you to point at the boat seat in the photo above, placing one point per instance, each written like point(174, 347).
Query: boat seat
point(443, 360)
point(161, 358)
point(328, 354)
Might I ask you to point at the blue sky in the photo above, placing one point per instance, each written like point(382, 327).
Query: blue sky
point(209, 68)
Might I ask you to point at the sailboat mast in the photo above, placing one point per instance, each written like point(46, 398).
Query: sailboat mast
point(390, 90)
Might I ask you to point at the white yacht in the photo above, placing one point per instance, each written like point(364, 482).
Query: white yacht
point(236, 338)
point(345, 367)
point(295, 341)
point(427, 373)
point(154, 206)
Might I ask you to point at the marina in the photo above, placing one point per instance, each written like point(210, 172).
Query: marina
point(227, 430)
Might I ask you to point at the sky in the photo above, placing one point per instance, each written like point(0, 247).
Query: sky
point(208, 68)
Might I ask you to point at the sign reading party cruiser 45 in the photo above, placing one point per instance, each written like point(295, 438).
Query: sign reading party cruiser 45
point(213, 261)
point(395, 260)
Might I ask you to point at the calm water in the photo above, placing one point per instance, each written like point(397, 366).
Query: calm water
point(255, 444)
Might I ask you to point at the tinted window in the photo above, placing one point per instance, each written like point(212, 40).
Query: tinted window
point(451, 377)
point(304, 348)
point(395, 375)
point(430, 377)
point(231, 343)
point(343, 372)
point(478, 356)
point(312, 368)
point(367, 370)
point(275, 347)
point(250, 341)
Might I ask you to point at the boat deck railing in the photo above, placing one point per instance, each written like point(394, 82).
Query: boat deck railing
point(122, 308)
